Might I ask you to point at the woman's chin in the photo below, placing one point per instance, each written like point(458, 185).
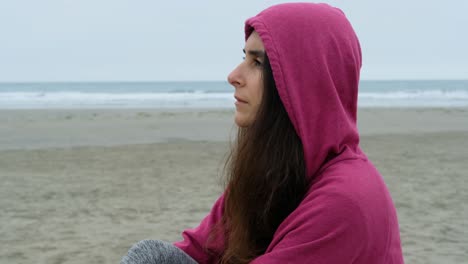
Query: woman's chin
point(241, 119)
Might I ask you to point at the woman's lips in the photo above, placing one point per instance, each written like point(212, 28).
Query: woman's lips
point(239, 100)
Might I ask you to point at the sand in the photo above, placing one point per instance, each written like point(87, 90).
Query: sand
point(81, 186)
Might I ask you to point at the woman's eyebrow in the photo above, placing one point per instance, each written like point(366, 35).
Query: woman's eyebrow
point(256, 53)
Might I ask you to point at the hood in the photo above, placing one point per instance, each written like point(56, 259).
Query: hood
point(315, 57)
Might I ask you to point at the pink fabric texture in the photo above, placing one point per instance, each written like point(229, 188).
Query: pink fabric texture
point(348, 215)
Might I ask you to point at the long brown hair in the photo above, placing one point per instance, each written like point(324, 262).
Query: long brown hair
point(265, 176)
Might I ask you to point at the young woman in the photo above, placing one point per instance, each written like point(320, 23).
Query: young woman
point(300, 189)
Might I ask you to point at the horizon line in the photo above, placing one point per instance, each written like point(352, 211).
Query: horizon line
point(192, 81)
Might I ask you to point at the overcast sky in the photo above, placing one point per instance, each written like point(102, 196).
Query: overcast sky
point(146, 40)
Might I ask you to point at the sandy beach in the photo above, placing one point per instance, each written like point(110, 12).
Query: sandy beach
point(81, 186)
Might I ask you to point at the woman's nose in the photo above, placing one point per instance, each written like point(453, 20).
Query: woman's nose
point(235, 78)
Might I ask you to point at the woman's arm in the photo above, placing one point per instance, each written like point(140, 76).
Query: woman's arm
point(200, 243)
point(329, 229)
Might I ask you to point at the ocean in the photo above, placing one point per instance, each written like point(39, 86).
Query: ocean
point(214, 94)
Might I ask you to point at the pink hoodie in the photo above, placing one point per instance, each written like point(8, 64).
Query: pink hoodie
point(347, 215)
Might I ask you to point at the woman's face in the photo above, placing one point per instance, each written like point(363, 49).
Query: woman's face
point(248, 81)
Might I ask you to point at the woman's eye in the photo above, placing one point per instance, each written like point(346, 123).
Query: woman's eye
point(255, 61)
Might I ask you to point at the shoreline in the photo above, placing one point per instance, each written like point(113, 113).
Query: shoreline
point(36, 129)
